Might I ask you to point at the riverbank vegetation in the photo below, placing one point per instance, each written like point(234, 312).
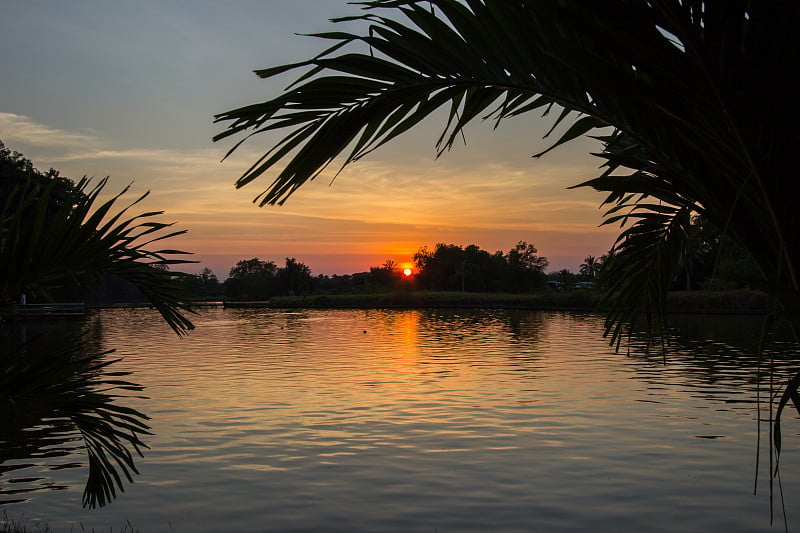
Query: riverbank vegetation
point(742, 301)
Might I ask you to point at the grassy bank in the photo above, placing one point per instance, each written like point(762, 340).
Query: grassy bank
point(431, 299)
point(739, 301)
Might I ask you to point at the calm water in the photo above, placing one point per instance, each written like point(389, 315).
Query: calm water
point(434, 421)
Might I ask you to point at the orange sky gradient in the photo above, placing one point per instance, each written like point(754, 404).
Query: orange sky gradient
point(133, 98)
point(375, 210)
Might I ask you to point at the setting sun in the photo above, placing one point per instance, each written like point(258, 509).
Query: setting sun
point(407, 272)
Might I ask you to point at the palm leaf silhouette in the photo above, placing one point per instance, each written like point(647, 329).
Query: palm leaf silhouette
point(689, 97)
point(674, 80)
point(79, 242)
point(60, 381)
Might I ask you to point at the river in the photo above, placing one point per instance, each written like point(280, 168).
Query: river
point(433, 421)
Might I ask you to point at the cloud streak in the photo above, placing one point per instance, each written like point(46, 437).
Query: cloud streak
point(22, 129)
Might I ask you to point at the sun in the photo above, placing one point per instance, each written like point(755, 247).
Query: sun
point(407, 272)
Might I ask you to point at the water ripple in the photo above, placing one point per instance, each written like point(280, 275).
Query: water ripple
point(269, 420)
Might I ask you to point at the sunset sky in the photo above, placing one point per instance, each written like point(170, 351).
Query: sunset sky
point(129, 90)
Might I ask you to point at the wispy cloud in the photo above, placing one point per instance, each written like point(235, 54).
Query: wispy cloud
point(76, 148)
point(22, 129)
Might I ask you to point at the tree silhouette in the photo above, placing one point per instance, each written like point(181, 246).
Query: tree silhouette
point(294, 277)
point(590, 267)
point(252, 279)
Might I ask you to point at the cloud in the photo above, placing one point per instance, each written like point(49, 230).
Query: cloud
point(88, 147)
point(22, 129)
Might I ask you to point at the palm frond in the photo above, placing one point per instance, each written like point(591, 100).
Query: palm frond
point(688, 86)
point(81, 241)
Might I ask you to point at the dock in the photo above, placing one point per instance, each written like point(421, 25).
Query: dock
point(247, 304)
point(61, 309)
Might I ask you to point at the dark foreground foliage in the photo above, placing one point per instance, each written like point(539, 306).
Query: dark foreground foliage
point(688, 97)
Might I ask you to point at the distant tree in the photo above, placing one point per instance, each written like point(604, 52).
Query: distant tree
point(247, 268)
point(384, 277)
point(334, 284)
point(361, 282)
point(205, 285)
point(423, 259)
point(208, 276)
point(483, 271)
point(251, 279)
point(590, 267)
point(112, 289)
point(453, 268)
point(294, 278)
point(525, 268)
point(524, 256)
point(564, 276)
point(442, 269)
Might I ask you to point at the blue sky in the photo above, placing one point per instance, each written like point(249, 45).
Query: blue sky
point(129, 89)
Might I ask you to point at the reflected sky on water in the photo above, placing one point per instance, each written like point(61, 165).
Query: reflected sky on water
point(438, 420)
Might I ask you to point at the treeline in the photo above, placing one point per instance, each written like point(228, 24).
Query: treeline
point(711, 261)
point(254, 279)
point(447, 267)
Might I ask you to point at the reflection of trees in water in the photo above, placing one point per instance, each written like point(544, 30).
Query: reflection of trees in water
point(718, 350)
point(59, 400)
point(741, 362)
point(479, 330)
point(469, 324)
point(525, 326)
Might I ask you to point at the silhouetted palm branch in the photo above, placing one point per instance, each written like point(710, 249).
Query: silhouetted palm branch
point(697, 93)
point(79, 242)
point(676, 80)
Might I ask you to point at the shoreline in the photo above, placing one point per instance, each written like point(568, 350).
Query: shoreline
point(736, 302)
point(731, 302)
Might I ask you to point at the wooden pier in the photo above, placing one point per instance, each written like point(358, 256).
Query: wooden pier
point(246, 304)
point(61, 309)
